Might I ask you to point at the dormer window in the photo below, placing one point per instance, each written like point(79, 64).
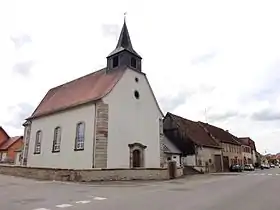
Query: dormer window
point(115, 62)
point(133, 62)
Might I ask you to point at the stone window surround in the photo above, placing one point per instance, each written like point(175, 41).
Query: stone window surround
point(80, 140)
point(38, 142)
point(141, 148)
point(56, 139)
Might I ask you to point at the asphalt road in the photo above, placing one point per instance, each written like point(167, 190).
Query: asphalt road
point(257, 190)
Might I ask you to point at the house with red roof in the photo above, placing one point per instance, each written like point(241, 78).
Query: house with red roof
point(199, 150)
point(9, 147)
point(109, 118)
point(231, 147)
point(249, 150)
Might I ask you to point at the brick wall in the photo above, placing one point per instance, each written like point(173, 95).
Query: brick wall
point(88, 175)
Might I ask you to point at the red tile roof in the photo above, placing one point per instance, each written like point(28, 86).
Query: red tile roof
point(220, 134)
point(194, 131)
point(249, 142)
point(86, 89)
point(7, 144)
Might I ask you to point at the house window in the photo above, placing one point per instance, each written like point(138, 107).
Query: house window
point(56, 139)
point(38, 142)
point(115, 61)
point(133, 62)
point(80, 136)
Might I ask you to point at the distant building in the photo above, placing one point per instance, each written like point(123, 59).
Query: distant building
point(107, 119)
point(247, 142)
point(9, 147)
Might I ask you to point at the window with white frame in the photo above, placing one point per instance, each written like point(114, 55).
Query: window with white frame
point(56, 139)
point(38, 142)
point(80, 136)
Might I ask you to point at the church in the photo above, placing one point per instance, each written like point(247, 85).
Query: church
point(107, 119)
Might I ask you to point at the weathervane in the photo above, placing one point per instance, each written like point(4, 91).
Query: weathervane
point(125, 16)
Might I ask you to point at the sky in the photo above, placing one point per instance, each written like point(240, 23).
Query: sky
point(212, 61)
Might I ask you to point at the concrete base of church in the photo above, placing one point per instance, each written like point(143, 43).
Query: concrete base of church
point(89, 174)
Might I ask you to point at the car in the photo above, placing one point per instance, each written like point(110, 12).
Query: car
point(235, 168)
point(249, 167)
point(272, 166)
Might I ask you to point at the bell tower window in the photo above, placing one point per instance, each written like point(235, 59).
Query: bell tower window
point(133, 62)
point(115, 62)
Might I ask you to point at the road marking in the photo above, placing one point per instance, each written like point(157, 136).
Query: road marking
point(269, 174)
point(41, 209)
point(83, 202)
point(262, 174)
point(99, 198)
point(64, 205)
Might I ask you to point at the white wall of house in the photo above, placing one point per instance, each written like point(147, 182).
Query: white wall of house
point(204, 154)
point(67, 157)
point(17, 158)
point(132, 120)
point(189, 160)
point(173, 157)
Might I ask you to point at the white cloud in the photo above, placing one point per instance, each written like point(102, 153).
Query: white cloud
point(214, 55)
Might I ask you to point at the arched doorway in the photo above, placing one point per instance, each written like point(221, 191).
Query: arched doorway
point(136, 158)
point(136, 155)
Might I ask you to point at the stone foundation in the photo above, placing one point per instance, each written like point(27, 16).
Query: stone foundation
point(88, 175)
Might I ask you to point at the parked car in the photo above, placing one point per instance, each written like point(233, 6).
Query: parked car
point(272, 166)
point(235, 168)
point(249, 167)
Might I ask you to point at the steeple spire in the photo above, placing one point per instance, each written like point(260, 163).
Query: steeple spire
point(124, 54)
point(124, 42)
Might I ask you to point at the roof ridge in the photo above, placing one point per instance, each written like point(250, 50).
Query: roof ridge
point(79, 78)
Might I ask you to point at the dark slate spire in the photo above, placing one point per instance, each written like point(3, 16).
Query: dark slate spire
point(124, 54)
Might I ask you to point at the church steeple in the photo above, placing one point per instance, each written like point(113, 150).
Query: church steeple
point(124, 55)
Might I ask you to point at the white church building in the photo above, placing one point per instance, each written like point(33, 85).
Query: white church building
point(107, 119)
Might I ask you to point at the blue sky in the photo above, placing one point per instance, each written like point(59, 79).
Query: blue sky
point(218, 56)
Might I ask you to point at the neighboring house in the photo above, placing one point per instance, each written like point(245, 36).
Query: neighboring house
point(107, 119)
point(8, 146)
point(198, 148)
point(231, 148)
point(171, 152)
point(246, 151)
point(249, 142)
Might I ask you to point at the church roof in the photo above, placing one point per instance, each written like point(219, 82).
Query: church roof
point(89, 88)
point(124, 43)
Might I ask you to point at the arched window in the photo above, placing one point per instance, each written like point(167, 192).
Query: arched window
point(80, 136)
point(56, 139)
point(38, 142)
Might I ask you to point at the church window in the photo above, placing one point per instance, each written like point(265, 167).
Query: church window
point(136, 94)
point(133, 62)
point(115, 62)
point(56, 139)
point(38, 142)
point(80, 136)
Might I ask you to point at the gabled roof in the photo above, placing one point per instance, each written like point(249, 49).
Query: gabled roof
point(248, 142)
point(89, 88)
point(220, 134)
point(10, 142)
point(5, 133)
point(194, 131)
point(169, 147)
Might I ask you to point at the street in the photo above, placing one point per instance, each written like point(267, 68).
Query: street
point(256, 190)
